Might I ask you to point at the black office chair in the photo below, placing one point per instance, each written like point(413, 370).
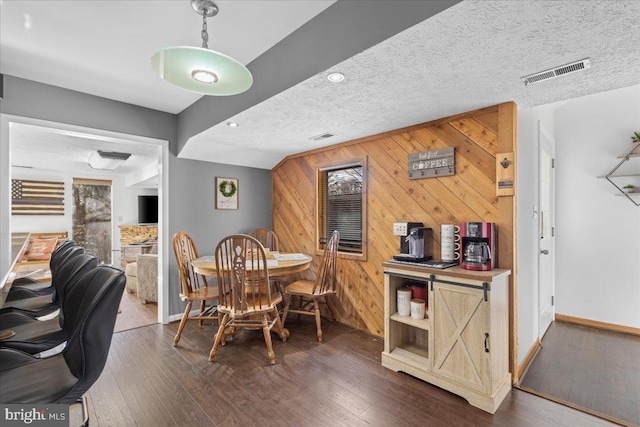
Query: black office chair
point(30, 299)
point(65, 377)
point(33, 335)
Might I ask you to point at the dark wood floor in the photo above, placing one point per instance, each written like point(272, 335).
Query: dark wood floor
point(339, 382)
point(591, 368)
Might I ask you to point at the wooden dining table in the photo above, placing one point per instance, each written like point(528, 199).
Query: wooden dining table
point(281, 264)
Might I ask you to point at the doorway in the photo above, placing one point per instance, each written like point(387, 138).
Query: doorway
point(162, 146)
point(546, 230)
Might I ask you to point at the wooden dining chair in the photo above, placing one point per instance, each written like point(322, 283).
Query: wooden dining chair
point(246, 298)
point(193, 286)
point(310, 294)
point(267, 237)
point(269, 240)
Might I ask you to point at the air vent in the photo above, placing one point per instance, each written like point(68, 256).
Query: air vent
point(558, 71)
point(323, 136)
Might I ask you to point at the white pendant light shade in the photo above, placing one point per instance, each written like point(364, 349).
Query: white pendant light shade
point(200, 69)
point(183, 66)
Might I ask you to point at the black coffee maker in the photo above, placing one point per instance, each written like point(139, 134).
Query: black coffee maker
point(478, 246)
point(417, 245)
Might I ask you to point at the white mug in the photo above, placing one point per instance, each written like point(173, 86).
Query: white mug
point(404, 301)
point(450, 232)
point(449, 242)
point(449, 252)
point(417, 309)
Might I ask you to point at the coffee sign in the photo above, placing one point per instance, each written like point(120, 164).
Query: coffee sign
point(432, 164)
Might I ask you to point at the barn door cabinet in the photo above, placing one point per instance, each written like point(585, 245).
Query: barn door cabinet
point(463, 344)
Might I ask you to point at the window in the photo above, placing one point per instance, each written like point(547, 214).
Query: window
point(341, 206)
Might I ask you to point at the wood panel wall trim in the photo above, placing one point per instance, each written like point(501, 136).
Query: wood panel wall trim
point(597, 324)
point(507, 142)
point(527, 360)
point(469, 195)
point(390, 133)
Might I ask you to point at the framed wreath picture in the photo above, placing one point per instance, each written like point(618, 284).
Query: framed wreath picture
point(226, 193)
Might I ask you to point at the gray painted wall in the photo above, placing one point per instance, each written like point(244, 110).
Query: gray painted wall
point(191, 183)
point(28, 98)
point(192, 207)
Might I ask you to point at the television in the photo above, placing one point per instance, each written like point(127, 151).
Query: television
point(147, 209)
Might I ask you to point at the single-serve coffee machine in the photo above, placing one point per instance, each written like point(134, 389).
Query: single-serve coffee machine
point(416, 241)
point(478, 246)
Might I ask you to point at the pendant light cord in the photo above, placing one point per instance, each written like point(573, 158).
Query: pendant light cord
point(204, 33)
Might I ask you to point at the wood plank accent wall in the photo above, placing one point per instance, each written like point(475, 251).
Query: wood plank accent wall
point(469, 195)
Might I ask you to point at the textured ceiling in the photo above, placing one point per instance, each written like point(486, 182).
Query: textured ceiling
point(469, 56)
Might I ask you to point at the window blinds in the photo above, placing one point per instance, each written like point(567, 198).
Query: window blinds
point(343, 206)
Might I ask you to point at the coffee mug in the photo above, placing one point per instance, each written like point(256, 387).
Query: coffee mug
point(417, 309)
point(450, 232)
point(404, 301)
point(449, 242)
point(450, 252)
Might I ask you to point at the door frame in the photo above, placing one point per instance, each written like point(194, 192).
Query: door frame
point(543, 133)
point(163, 195)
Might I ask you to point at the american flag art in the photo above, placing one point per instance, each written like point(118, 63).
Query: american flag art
point(37, 197)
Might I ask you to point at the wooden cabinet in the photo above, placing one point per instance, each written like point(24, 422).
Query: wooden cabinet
point(463, 345)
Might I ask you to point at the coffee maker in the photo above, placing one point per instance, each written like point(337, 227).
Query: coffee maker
point(478, 246)
point(402, 230)
point(416, 241)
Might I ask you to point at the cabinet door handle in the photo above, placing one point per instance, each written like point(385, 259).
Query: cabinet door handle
point(486, 342)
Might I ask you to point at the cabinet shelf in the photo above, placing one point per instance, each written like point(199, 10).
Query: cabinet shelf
point(634, 153)
point(418, 356)
point(622, 175)
point(408, 320)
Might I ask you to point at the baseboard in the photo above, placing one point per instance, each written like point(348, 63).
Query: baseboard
point(178, 317)
point(175, 317)
point(597, 324)
point(528, 358)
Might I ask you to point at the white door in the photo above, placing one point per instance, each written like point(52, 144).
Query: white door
point(546, 229)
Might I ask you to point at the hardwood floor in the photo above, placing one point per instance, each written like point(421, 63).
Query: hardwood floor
point(591, 368)
point(339, 382)
point(133, 314)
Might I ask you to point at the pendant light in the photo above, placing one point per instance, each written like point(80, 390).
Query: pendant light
point(200, 69)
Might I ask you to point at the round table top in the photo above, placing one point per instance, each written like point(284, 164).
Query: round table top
point(287, 263)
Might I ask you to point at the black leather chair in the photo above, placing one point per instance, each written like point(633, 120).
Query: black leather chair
point(33, 335)
point(34, 299)
point(65, 377)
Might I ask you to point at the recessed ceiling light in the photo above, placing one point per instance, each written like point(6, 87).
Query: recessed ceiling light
point(335, 77)
point(204, 76)
point(232, 124)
